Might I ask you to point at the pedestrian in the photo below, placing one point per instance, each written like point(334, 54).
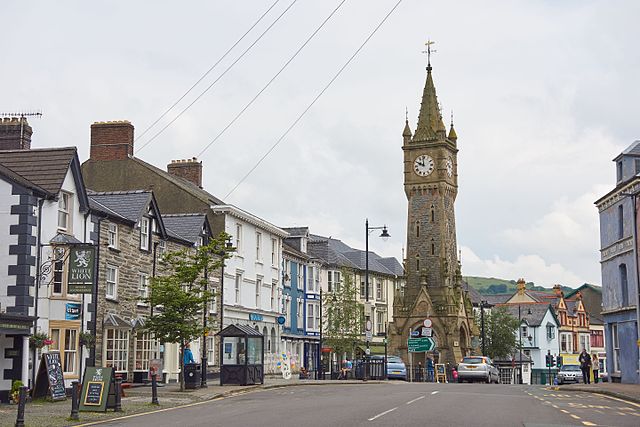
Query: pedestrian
point(455, 375)
point(585, 366)
point(595, 366)
point(188, 355)
point(419, 373)
point(429, 369)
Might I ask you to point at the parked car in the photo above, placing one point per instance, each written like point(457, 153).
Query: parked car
point(478, 368)
point(396, 368)
point(569, 374)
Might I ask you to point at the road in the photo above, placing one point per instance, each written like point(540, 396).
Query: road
point(400, 404)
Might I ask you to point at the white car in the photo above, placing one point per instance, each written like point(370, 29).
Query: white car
point(478, 368)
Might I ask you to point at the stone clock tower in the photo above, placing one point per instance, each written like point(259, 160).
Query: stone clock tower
point(434, 286)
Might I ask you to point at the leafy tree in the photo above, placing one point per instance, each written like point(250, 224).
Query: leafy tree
point(343, 316)
point(182, 293)
point(500, 329)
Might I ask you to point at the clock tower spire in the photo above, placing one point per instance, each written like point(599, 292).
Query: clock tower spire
point(433, 272)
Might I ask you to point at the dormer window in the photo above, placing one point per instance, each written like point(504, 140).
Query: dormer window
point(64, 212)
point(619, 171)
point(112, 236)
point(144, 233)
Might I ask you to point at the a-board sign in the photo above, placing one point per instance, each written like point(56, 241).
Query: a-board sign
point(441, 373)
point(49, 380)
point(97, 385)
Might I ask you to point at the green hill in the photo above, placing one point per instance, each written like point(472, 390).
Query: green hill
point(492, 285)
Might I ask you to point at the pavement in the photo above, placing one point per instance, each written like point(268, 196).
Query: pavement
point(630, 392)
point(137, 400)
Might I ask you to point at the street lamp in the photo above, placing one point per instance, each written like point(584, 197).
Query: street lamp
point(384, 235)
point(482, 306)
point(520, 341)
point(203, 368)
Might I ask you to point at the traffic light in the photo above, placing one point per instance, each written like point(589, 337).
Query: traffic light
point(550, 361)
point(559, 361)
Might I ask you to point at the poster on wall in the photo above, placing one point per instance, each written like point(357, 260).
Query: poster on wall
point(72, 311)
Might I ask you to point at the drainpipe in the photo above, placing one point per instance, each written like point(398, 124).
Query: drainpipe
point(38, 266)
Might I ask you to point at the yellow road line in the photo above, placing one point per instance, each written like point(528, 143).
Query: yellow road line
point(619, 400)
point(564, 410)
point(587, 423)
point(575, 416)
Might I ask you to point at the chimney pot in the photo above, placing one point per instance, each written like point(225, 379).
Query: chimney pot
point(15, 134)
point(187, 169)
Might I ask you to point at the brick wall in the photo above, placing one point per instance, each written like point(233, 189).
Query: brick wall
point(111, 140)
point(15, 134)
point(190, 169)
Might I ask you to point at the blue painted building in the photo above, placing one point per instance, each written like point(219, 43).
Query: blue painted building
point(618, 211)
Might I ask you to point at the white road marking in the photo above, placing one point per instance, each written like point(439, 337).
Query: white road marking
point(415, 400)
point(383, 413)
point(435, 392)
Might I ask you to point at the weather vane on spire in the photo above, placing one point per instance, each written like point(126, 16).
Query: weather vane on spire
point(428, 51)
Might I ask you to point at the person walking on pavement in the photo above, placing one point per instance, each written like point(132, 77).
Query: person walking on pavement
point(188, 355)
point(585, 366)
point(595, 366)
point(429, 369)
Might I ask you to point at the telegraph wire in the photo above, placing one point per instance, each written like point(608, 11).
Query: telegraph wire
point(272, 79)
point(207, 72)
point(218, 78)
point(295, 122)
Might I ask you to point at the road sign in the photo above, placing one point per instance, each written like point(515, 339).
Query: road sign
point(427, 323)
point(427, 332)
point(419, 345)
point(415, 334)
point(367, 351)
point(368, 336)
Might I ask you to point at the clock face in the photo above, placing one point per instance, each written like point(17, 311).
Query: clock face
point(423, 165)
point(449, 168)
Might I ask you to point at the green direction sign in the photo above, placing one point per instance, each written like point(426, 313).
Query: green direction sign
point(419, 345)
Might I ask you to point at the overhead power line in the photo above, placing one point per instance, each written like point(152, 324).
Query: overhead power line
point(272, 79)
point(207, 72)
point(295, 122)
point(218, 78)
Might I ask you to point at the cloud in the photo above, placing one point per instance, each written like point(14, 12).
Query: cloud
point(533, 268)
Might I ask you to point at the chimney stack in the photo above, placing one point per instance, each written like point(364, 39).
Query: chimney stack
point(15, 134)
point(190, 169)
point(111, 140)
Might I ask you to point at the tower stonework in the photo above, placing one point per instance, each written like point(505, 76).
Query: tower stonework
point(434, 287)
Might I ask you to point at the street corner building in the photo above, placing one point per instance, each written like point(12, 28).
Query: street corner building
point(618, 210)
point(45, 231)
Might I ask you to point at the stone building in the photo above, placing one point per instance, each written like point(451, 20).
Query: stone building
point(434, 288)
point(618, 210)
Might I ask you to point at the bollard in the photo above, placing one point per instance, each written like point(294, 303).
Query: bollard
point(118, 406)
point(154, 390)
point(21, 403)
point(74, 401)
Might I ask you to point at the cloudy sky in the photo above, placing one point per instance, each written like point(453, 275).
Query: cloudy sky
point(544, 95)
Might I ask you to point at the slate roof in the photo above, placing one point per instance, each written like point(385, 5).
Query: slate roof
point(239, 330)
point(538, 311)
point(633, 149)
point(44, 167)
point(130, 205)
point(475, 296)
point(497, 298)
point(184, 184)
point(293, 251)
point(185, 226)
point(297, 231)
point(336, 252)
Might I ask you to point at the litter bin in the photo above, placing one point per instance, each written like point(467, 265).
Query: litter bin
point(192, 375)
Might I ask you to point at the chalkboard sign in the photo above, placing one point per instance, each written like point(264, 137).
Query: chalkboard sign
point(94, 393)
point(50, 381)
point(97, 386)
point(441, 373)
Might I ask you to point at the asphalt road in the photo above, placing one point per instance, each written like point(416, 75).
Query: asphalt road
point(400, 404)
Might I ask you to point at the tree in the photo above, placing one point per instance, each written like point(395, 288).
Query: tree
point(343, 316)
point(499, 336)
point(182, 294)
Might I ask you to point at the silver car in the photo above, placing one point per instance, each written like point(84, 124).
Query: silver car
point(478, 368)
point(569, 374)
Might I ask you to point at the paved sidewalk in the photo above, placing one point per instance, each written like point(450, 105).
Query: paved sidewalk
point(630, 392)
point(43, 413)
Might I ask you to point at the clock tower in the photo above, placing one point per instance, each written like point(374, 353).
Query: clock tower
point(434, 288)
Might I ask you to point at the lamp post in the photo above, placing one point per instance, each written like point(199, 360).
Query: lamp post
point(520, 344)
point(482, 305)
point(384, 235)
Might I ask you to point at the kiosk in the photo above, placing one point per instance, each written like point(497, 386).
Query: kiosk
point(241, 355)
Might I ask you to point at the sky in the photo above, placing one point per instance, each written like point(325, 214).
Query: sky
point(544, 95)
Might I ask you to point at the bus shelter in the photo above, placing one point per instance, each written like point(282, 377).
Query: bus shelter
point(242, 355)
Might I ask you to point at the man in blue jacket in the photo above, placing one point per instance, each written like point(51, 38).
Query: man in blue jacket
point(188, 355)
